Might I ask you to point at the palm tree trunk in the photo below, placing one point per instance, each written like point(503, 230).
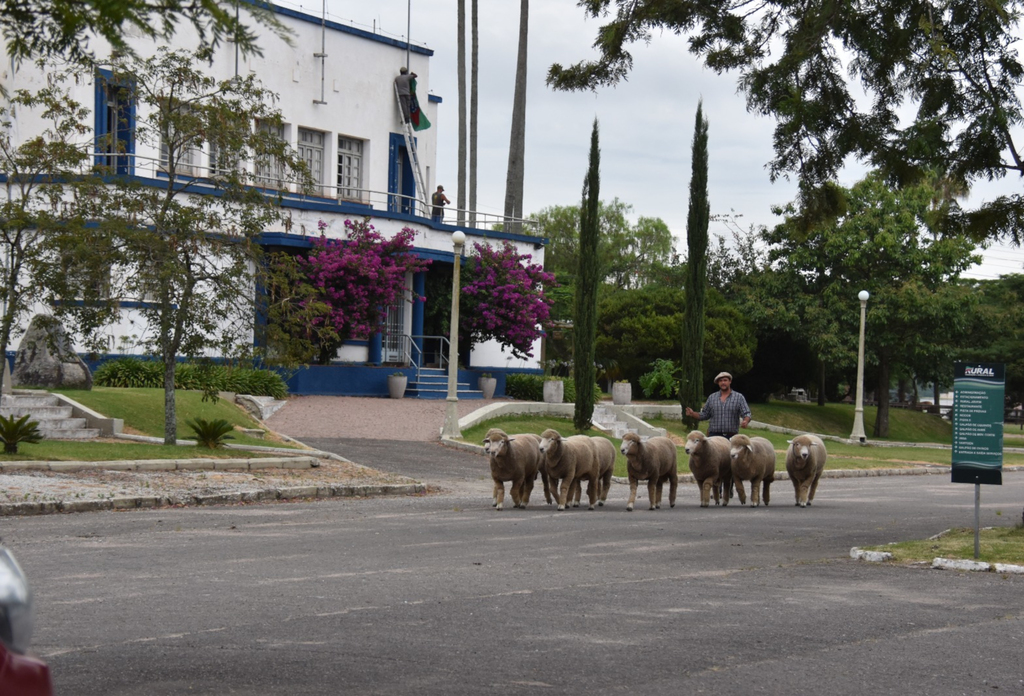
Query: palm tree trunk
point(473, 100)
point(517, 141)
point(461, 69)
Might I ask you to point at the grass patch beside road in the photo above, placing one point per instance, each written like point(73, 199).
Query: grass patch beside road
point(101, 451)
point(997, 545)
point(143, 412)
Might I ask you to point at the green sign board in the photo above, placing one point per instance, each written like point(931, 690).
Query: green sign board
point(978, 423)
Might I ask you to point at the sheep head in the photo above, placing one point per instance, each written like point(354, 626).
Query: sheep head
point(495, 442)
point(739, 444)
point(802, 447)
point(693, 441)
point(550, 440)
point(631, 444)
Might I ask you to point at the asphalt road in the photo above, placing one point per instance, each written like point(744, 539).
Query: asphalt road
point(441, 594)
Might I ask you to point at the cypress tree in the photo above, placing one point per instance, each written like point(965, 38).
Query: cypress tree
point(692, 365)
point(587, 279)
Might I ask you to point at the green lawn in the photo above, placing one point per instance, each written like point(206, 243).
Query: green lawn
point(143, 411)
point(90, 451)
point(996, 545)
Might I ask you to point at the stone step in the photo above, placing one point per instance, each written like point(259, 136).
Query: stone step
point(26, 401)
point(37, 412)
point(70, 433)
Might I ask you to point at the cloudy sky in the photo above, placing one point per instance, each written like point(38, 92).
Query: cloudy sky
point(646, 123)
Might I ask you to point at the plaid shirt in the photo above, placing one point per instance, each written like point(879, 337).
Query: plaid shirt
point(724, 416)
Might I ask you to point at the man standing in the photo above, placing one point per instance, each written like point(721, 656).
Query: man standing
point(726, 409)
point(438, 200)
point(403, 84)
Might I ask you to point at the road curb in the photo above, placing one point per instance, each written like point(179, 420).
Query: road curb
point(291, 493)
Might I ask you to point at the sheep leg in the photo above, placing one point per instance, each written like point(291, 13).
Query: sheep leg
point(814, 488)
point(755, 497)
point(499, 494)
point(575, 492)
point(516, 489)
point(740, 493)
point(563, 492)
point(766, 493)
point(726, 488)
point(705, 492)
point(604, 483)
point(653, 493)
point(524, 497)
point(716, 489)
point(547, 486)
point(673, 485)
point(797, 486)
point(591, 491)
point(632, 493)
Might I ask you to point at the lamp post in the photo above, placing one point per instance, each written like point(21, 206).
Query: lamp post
point(858, 414)
point(451, 411)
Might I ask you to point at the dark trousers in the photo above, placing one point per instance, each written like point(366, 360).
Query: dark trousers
point(725, 435)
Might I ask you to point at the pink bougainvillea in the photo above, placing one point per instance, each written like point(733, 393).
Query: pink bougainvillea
point(360, 276)
point(503, 298)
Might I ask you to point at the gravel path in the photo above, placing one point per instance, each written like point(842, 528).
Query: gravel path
point(316, 417)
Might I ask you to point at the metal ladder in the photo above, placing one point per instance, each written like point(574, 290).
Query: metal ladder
point(414, 158)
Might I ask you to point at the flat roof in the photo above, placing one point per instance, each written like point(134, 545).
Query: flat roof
point(345, 29)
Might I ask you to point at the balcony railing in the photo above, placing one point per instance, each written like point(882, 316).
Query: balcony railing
point(372, 199)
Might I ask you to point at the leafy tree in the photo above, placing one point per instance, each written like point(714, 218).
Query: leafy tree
point(63, 28)
point(691, 365)
point(185, 250)
point(637, 327)
point(587, 281)
point(998, 333)
point(883, 246)
point(42, 205)
point(503, 298)
point(629, 255)
point(953, 65)
point(355, 280)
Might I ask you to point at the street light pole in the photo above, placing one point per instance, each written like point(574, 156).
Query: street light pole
point(451, 430)
point(858, 414)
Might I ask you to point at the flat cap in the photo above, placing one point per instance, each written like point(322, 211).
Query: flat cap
point(720, 375)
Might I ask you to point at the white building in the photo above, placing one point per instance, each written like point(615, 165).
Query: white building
point(336, 88)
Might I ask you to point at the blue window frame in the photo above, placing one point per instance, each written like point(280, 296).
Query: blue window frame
point(115, 125)
point(400, 178)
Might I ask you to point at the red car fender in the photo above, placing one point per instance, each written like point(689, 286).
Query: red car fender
point(23, 675)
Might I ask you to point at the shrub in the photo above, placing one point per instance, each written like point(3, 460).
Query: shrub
point(14, 431)
point(130, 373)
point(524, 387)
point(201, 376)
point(662, 380)
point(211, 434)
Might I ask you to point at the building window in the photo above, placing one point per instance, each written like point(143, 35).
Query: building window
point(270, 172)
point(311, 151)
point(179, 154)
point(114, 125)
point(350, 168)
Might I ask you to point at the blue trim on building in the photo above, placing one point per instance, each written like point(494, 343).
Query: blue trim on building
point(361, 33)
point(434, 99)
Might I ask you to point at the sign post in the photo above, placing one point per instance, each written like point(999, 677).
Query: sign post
point(978, 404)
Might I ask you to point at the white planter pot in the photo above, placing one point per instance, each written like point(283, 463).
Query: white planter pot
point(622, 393)
point(554, 391)
point(396, 386)
point(487, 386)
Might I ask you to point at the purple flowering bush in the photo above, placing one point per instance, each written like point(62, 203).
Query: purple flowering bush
point(503, 298)
point(357, 278)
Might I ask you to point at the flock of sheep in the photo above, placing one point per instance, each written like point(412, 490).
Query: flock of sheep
point(717, 463)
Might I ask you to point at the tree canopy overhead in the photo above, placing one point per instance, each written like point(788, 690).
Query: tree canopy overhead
point(63, 28)
point(942, 80)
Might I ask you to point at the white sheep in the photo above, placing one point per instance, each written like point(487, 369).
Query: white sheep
point(753, 459)
point(805, 460)
point(514, 458)
point(653, 460)
point(711, 464)
point(571, 460)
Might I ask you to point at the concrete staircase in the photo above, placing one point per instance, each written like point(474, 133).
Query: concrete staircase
point(432, 383)
point(608, 420)
point(56, 421)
